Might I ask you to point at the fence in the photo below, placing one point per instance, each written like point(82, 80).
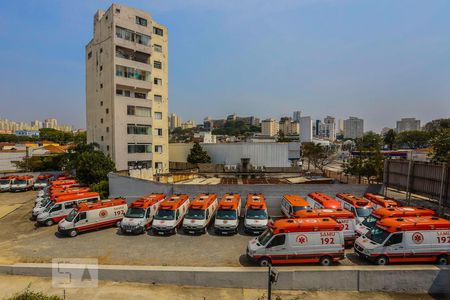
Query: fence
point(425, 179)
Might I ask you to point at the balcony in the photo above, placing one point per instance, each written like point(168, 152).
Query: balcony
point(129, 54)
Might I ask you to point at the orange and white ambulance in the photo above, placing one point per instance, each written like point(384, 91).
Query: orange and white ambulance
point(290, 204)
point(409, 239)
point(60, 207)
point(6, 182)
point(91, 216)
point(170, 214)
point(321, 200)
point(200, 213)
point(42, 181)
point(22, 183)
point(360, 207)
point(379, 201)
point(42, 201)
point(228, 213)
point(342, 216)
point(140, 213)
point(392, 212)
point(256, 216)
point(308, 240)
point(57, 184)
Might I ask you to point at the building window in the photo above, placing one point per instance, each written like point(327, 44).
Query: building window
point(142, 164)
point(140, 148)
point(158, 98)
point(117, 11)
point(157, 81)
point(158, 31)
point(101, 85)
point(158, 165)
point(132, 73)
point(139, 111)
point(142, 39)
point(101, 68)
point(102, 138)
point(140, 95)
point(158, 48)
point(158, 131)
point(158, 148)
point(124, 34)
point(107, 111)
point(89, 54)
point(101, 121)
point(107, 148)
point(107, 129)
point(157, 64)
point(101, 50)
point(139, 129)
point(141, 21)
point(158, 115)
point(101, 103)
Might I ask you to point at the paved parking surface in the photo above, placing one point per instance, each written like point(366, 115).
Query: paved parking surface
point(21, 241)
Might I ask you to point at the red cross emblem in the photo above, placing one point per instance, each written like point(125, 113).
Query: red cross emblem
point(417, 238)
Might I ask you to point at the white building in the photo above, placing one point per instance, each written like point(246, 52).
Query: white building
point(353, 128)
point(408, 124)
point(306, 129)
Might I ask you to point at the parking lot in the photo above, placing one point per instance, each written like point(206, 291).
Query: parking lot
point(21, 241)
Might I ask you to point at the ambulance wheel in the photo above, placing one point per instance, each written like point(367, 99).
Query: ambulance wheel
point(49, 222)
point(325, 261)
point(442, 260)
point(381, 260)
point(118, 224)
point(264, 262)
point(73, 233)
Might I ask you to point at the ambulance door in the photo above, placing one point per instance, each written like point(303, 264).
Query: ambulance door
point(148, 214)
point(276, 249)
point(394, 245)
point(81, 220)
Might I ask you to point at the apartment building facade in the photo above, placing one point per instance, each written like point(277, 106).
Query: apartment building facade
point(127, 88)
point(269, 127)
point(407, 124)
point(353, 128)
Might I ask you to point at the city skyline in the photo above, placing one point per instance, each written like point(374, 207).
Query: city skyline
point(392, 65)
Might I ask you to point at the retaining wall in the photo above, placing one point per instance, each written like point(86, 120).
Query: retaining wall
point(420, 279)
point(133, 188)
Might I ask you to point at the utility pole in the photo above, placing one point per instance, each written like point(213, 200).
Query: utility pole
point(273, 277)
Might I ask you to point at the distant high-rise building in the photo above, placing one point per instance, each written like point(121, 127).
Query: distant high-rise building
point(289, 127)
point(297, 115)
point(51, 123)
point(127, 89)
point(188, 124)
point(269, 127)
point(353, 128)
point(174, 121)
point(408, 124)
point(306, 129)
point(329, 128)
point(36, 124)
point(340, 126)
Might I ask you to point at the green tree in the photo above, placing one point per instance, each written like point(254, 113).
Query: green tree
point(368, 161)
point(389, 138)
point(198, 155)
point(93, 166)
point(40, 163)
point(307, 152)
point(441, 147)
point(102, 188)
point(317, 155)
point(436, 126)
point(413, 139)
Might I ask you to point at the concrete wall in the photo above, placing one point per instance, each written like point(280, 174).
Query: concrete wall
point(133, 188)
point(420, 279)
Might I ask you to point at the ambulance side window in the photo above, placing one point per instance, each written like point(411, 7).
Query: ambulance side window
point(81, 216)
point(69, 205)
point(277, 241)
point(56, 207)
point(396, 238)
point(177, 215)
point(147, 213)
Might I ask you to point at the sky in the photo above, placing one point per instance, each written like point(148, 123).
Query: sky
point(380, 60)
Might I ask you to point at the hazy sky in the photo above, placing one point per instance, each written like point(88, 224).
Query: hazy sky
point(379, 60)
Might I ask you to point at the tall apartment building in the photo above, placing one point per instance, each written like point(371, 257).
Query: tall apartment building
point(407, 124)
point(174, 121)
point(127, 88)
point(269, 127)
point(329, 128)
point(306, 129)
point(296, 115)
point(353, 128)
point(288, 127)
point(51, 123)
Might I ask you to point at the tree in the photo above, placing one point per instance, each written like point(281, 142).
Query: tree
point(413, 139)
point(198, 155)
point(317, 155)
point(40, 163)
point(93, 166)
point(441, 147)
point(368, 160)
point(436, 126)
point(307, 152)
point(389, 138)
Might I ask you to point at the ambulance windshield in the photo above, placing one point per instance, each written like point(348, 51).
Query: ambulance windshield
point(226, 214)
point(197, 214)
point(73, 213)
point(369, 221)
point(135, 212)
point(259, 214)
point(164, 214)
point(265, 236)
point(377, 235)
point(363, 211)
point(20, 182)
point(41, 180)
point(297, 208)
point(5, 181)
